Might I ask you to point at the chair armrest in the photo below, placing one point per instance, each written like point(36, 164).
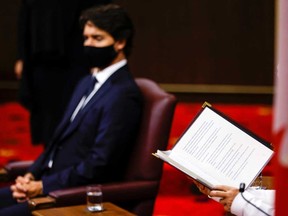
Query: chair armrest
point(3, 175)
point(15, 169)
point(112, 192)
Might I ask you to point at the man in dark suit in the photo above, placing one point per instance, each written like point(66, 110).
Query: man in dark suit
point(97, 132)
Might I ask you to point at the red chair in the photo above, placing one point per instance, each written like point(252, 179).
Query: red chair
point(137, 193)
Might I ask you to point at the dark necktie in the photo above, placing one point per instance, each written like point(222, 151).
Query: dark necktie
point(91, 86)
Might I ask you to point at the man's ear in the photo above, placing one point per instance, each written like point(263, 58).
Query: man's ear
point(120, 44)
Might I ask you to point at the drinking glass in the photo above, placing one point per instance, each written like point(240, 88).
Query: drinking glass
point(94, 198)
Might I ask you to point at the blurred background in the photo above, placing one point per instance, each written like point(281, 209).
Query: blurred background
point(196, 49)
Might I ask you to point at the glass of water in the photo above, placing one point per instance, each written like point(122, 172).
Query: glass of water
point(94, 198)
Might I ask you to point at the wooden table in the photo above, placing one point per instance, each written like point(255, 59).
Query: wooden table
point(80, 210)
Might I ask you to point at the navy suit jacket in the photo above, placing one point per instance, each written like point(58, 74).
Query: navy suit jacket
point(94, 147)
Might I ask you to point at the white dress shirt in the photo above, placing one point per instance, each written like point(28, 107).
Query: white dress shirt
point(262, 199)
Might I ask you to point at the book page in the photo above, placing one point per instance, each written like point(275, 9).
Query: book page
point(220, 150)
point(202, 177)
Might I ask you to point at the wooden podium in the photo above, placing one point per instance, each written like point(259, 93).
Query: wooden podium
point(80, 210)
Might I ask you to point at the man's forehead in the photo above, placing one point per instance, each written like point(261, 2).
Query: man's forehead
point(91, 28)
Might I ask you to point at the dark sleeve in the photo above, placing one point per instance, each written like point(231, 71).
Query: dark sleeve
point(37, 167)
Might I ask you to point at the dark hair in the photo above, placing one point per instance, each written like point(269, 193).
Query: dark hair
point(113, 19)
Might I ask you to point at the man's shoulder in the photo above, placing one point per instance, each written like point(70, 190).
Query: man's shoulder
point(123, 76)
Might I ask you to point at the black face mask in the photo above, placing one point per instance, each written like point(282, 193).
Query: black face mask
point(99, 56)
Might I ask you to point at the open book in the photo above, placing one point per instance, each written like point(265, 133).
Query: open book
point(214, 150)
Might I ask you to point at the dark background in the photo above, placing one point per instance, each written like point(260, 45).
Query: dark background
point(185, 43)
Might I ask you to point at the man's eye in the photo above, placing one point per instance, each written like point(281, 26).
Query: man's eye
point(98, 38)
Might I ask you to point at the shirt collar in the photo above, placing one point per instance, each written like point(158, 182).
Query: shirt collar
point(104, 74)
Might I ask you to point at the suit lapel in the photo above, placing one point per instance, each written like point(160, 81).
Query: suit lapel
point(66, 127)
point(98, 95)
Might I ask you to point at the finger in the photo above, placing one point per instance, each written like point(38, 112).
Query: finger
point(199, 185)
point(26, 180)
point(217, 193)
point(222, 201)
point(13, 188)
point(195, 182)
point(222, 187)
point(227, 208)
point(19, 195)
point(22, 180)
point(20, 187)
point(19, 178)
point(29, 176)
point(20, 200)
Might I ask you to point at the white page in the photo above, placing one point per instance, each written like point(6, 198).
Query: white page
point(201, 176)
point(221, 149)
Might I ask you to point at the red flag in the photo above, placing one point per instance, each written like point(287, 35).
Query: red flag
point(280, 123)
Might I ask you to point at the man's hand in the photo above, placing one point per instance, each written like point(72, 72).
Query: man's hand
point(25, 187)
point(29, 176)
point(34, 188)
point(203, 189)
point(227, 195)
point(18, 194)
point(18, 68)
point(18, 189)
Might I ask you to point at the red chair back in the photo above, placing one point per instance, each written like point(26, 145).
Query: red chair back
point(154, 131)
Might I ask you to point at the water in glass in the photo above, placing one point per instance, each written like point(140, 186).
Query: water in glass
point(94, 201)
